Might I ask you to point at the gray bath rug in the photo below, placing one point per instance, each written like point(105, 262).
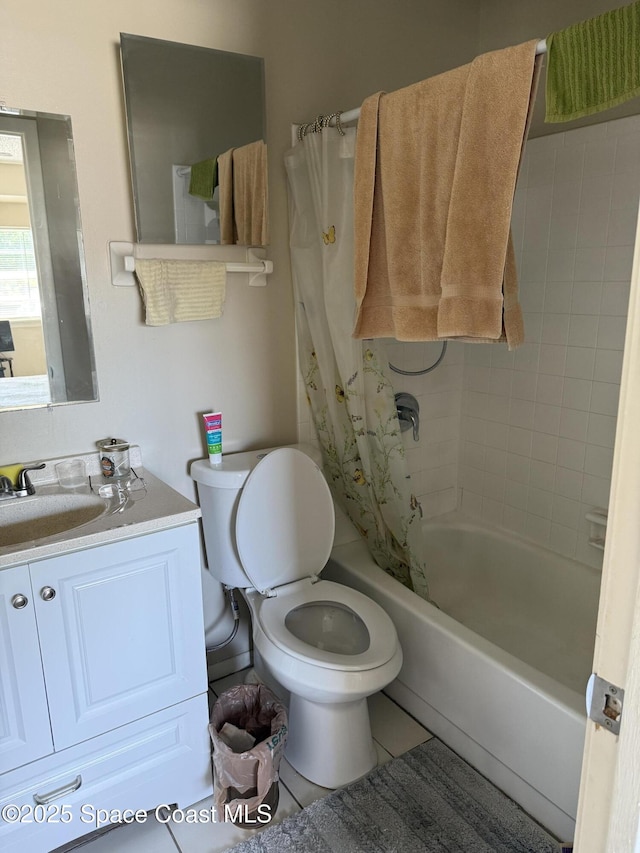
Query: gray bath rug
point(425, 800)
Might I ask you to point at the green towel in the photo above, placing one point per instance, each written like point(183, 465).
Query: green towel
point(593, 65)
point(204, 179)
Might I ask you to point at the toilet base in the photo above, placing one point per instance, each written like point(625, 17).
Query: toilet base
point(330, 745)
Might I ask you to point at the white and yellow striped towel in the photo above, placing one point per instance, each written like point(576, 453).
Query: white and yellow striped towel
point(178, 291)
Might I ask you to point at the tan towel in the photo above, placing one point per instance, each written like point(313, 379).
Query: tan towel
point(178, 291)
point(225, 182)
point(436, 167)
point(250, 200)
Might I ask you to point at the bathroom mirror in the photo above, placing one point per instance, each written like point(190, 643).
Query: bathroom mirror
point(46, 350)
point(185, 105)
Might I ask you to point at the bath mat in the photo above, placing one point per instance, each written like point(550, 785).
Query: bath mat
point(425, 800)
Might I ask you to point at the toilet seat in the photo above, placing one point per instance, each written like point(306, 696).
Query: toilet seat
point(285, 520)
point(272, 614)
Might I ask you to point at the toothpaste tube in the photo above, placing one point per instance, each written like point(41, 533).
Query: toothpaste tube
point(213, 428)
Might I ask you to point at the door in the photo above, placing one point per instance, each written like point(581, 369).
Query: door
point(25, 733)
point(121, 631)
point(610, 783)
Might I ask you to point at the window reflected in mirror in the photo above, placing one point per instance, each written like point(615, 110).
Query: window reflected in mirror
point(46, 354)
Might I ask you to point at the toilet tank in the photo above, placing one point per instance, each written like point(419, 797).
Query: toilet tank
point(219, 488)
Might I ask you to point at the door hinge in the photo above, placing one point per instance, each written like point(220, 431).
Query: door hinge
point(604, 703)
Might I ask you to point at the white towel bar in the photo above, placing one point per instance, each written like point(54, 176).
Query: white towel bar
point(123, 262)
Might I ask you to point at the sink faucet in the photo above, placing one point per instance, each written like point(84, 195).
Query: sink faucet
point(408, 413)
point(24, 486)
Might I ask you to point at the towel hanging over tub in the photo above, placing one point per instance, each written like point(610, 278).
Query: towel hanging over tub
point(176, 291)
point(435, 174)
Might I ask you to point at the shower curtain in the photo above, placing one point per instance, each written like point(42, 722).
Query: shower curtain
point(346, 380)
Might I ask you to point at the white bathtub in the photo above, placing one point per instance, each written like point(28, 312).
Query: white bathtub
point(499, 672)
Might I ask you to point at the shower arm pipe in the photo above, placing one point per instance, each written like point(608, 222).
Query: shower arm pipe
point(354, 115)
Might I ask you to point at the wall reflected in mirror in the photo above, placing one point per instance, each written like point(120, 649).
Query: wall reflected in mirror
point(46, 351)
point(186, 107)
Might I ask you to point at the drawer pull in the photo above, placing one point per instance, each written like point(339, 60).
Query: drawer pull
point(44, 799)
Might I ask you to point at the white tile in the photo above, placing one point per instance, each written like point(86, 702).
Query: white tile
point(564, 231)
point(623, 223)
point(303, 791)
point(566, 198)
point(615, 298)
point(523, 386)
point(518, 468)
point(521, 413)
point(542, 475)
point(544, 447)
point(590, 264)
point(393, 728)
point(560, 265)
point(497, 408)
point(516, 494)
point(586, 297)
point(574, 424)
point(596, 192)
point(555, 329)
point(519, 441)
point(526, 356)
point(580, 362)
point(626, 188)
point(569, 165)
point(571, 454)
point(608, 366)
point(611, 332)
point(593, 228)
point(552, 359)
point(600, 157)
point(493, 487)
point(514, 519)
point(576, 393)
point(568, 483)
point(565, 512)
point(495, 461)
point(549, 389)
point(604, 398)
point(541, 167)
point(557, 296)
point(583, 330)
point(500, 381)
point(492, 511)
point(627, 154)
point(228, 681)
point(207, 837)
point(148, 837)
point(602, 430)
point(546, 419)
point(539, 503)
point(497, 436)
point(598, 461)
point(618, 263)
point(595, 490)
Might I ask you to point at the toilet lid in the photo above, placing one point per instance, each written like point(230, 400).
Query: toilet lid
point(285, 520)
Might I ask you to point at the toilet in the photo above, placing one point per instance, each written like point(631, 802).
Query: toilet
point(268, 521)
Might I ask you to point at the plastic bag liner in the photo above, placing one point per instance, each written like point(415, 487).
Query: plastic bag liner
point(244, 781)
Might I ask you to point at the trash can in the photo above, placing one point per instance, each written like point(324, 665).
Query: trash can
point(248, 730)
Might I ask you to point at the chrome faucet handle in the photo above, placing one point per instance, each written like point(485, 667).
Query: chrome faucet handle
point(24, 486)
point(408, 411)
point(6, 486)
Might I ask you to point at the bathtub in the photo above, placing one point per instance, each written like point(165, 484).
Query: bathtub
point(499, 672)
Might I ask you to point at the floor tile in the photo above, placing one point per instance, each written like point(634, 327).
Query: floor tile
point(208, 837)
point(392, 727)
point(304, 791)
point(148, 837)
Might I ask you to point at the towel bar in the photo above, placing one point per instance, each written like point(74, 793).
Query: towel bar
point(123, 262)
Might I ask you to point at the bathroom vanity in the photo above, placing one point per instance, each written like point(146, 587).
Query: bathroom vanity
point(103, 683)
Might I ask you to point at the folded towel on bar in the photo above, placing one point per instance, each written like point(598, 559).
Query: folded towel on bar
point(225, 182)
point(250, 200)
point(204, 179)
point(178, 291)
point(593, 65)
point(435, 174)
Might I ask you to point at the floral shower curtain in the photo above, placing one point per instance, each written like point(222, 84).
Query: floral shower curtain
point(347, 383)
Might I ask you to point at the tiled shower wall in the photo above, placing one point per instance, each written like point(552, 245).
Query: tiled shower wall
point(524, 439)
point(538, 424)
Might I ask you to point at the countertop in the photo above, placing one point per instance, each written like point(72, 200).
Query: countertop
point(146, 506)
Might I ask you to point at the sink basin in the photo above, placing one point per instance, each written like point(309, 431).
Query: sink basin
point(26, 519)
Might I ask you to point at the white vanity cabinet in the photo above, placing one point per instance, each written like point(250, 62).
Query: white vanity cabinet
point(103, 683)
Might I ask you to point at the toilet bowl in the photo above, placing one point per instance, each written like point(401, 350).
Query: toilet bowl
point(268, 522)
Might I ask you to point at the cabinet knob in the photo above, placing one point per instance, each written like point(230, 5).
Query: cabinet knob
point(47, 593)
point(19, 601)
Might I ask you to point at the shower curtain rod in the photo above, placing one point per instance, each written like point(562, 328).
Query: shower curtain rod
point(354, 115)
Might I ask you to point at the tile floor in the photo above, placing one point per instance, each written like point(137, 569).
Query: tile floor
point(394, 732)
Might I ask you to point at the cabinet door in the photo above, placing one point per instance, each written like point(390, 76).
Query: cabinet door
point(121, 631)
point(25, 733)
